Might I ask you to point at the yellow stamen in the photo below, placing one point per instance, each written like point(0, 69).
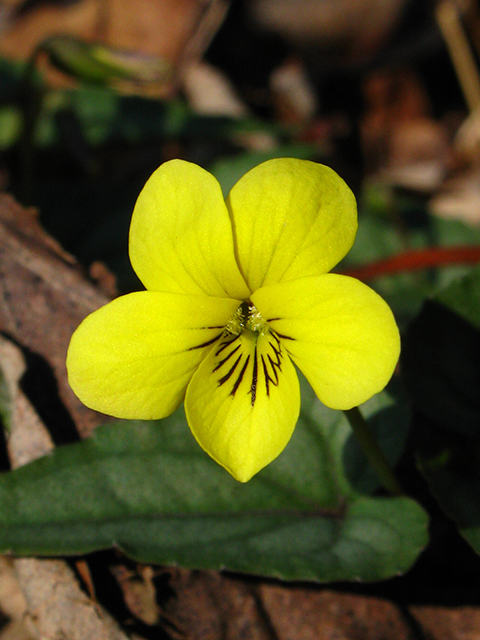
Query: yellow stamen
point(248, 317)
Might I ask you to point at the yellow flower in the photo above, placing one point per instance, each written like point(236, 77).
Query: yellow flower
point(237, 293)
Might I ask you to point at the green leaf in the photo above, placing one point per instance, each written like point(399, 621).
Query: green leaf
point(441, 357)
point(99, 64)
point(463, 297)
point(147, 488)
point(441, 366)
point(450, 461)
point(10, 126)
point(389, 416)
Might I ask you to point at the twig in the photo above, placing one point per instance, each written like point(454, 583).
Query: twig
point(415, 260)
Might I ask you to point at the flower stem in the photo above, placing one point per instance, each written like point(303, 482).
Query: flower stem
point(374, 454)
point(415, 260)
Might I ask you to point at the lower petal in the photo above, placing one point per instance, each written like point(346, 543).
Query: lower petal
point(134, 357)
point(243, 402)
point(339, 332)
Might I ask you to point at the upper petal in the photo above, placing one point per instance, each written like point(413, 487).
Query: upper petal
point(243, 402)
point(181, 235)
point(134, 357)
point(291, 218)
point(339, 332)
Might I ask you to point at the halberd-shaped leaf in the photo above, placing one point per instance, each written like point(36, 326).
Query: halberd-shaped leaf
point(147, 488)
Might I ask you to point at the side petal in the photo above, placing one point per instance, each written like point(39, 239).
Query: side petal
point(243, 402)
point(291, 219)
point(339, 332)
point(134, 357)
point(181, 236)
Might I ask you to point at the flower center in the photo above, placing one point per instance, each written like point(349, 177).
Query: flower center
point(246, 317)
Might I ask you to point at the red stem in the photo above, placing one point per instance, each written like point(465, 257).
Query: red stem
point(415, 261)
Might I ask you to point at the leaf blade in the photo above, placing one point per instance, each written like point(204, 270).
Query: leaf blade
point(148, 489)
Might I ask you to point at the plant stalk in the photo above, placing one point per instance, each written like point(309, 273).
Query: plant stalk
point(374, 454)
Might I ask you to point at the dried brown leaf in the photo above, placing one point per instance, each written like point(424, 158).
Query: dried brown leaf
point(38, 314)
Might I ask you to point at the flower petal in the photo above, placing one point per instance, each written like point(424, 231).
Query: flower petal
point(338, 331)
point(181, 236)
point(243, 402)
point(291, 219)
point(134, 357)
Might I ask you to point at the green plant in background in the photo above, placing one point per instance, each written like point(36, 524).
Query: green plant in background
point(96, 63)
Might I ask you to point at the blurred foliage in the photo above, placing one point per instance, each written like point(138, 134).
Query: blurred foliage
point(441, 366)
point(399, 222)
point(95, 63)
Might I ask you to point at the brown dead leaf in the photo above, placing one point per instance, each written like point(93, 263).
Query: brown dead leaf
point(56, 606)
point(44, 296)
point(157, 28)
point(210, 606)
point(12, 603)
point(139, 592)
point(37, 316)
point(448, 623)
point(28, 439)
point(310, 614)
